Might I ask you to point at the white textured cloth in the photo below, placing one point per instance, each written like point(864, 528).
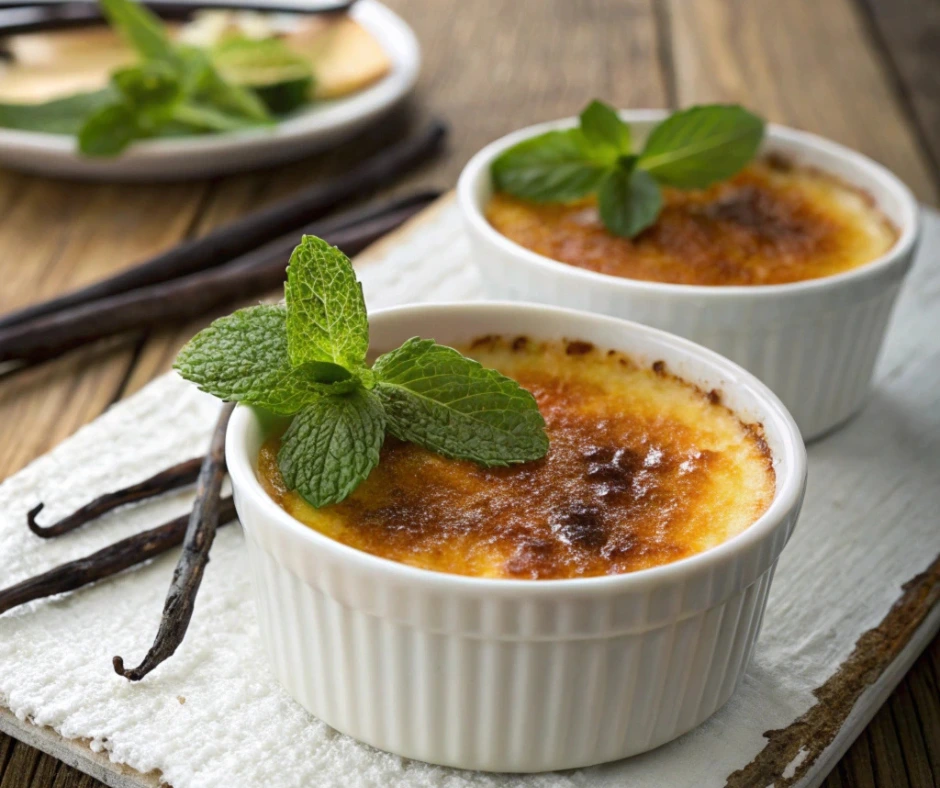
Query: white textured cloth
point(214, 716)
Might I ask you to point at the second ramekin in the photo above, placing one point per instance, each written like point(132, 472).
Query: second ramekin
point(516, 675)
point(814, 343)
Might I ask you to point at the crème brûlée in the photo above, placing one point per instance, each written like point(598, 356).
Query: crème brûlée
point(775, 222)
point(643, 469)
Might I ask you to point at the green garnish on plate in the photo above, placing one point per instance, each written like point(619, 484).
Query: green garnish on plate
point(307, 359)
point(175, 89)
point(691, 149)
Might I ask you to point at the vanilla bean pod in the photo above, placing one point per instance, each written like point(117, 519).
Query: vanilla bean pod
point(175, 476)
point(184, 298)
point(200, 533)
point(106, 562)
point(253, 230)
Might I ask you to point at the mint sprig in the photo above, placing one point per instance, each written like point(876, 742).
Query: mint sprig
point(307, 359)
point(690, 149)
point(174, 89)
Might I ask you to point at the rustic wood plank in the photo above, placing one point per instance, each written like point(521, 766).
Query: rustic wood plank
point(6, 749)
point(22, 765)
point(857, 771)
point(834, 780)
point(887, 758)
point(46, 771)
point(805, 63)
point(910, 735)
point(70, 778)
point(925, 693)
point(909, 34)
point(55, 237)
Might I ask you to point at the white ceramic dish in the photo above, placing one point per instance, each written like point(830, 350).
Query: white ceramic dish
point(516, 675)
point(814, 342)
point(321, 126)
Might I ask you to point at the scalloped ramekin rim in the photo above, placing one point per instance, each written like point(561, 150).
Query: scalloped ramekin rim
point(909, 225)
point(774, 417)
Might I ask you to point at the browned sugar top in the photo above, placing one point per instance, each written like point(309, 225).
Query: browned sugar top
point(643, 470)
point(773, 223)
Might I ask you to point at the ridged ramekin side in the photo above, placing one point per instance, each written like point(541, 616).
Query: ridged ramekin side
point(501, 704)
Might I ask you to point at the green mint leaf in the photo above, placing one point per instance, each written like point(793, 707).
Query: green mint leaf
point(142, 29)
point(629, 201)
point(332, 445)
point(366, 377)
point(450, 404)
point(553, 167)
point(205, 85)
point(212, 103)
point(702, 145)
point(108, 131)
point(233, 99)
point(60, 116)
point(326, 313)
point(604, 130)
point(243, 357)
point(280, 77)
point(153, 83)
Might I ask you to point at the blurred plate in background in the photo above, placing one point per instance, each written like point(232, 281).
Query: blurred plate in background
point(319, 126)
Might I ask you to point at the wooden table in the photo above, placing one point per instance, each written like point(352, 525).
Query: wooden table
point(863, 72)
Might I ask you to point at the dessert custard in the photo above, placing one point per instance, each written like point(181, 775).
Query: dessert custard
point(643, 469)
point(772, 223)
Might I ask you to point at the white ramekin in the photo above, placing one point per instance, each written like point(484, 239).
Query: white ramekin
point(814, 343)
point(516, 675)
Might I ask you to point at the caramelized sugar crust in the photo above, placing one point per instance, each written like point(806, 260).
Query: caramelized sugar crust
point(773, 223)
point(643, 469)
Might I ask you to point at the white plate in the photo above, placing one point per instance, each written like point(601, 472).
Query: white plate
point(319, 127)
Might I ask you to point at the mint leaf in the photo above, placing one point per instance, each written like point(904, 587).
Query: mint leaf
point(243, 357)
point(697, 147)
point(142, 29)
point(555, 166)
point(326, 312)
point(60, 116)
point(450, 404)
point(108, 131)
point(332, 445)
point(604, 131)
point(204, 85)
point(233, 98)
point(629, 201)
point(280, 77)
point(149, 86)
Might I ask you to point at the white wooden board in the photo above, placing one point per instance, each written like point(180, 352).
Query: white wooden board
point(213, 714)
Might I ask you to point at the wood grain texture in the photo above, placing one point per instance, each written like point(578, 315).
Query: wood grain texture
point(908, 32)
point(807, 63)
point(854, 73)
